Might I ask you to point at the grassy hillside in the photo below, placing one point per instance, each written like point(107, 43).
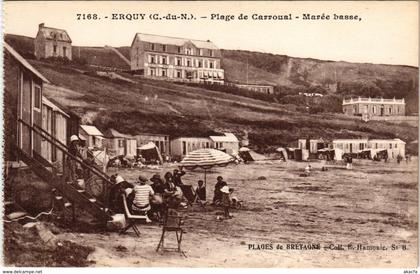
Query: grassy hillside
point(182, 110)
point(340, 78)
point(179, 110)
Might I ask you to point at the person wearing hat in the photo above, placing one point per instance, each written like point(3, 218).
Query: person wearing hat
point(72, 164)
point(177, 177)
point(116, 204)
point(201, 191)
point(142, 194)
point(217, 194)
point(158, 185)
point(226, 200)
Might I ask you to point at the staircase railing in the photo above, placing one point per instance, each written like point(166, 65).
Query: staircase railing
point(57, 144)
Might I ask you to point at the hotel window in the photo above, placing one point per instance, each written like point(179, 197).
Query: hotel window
point(164, 73)
point(390, 146)
point(188, 63)
point(55, 49)
point(152, 59)
point(64, 52)
point(179, 62)
point(164, 47)
point(210, 52)
point(211, 65)
point(188, 51)
point(200, 64)
point(164, 60)
point(152, 72)
point(152, 46)
point(179, 49)
point(178, 74)
point(200, 52)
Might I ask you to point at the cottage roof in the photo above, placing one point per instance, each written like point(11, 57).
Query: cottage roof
point(228, 137)
point(167, 40)
point(91, 130)
point(112, 133)
point(396, 140)
point(24, 63)
point(55, 34)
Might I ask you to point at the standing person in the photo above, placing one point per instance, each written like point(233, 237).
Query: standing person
point(177, 177)
point(226, 201)
point(142, 195)
point(399, 158)
point(72, 164)
point(217, 194)
point(349, 162)
point(200, 191)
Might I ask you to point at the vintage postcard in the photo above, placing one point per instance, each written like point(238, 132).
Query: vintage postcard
point(275, 134)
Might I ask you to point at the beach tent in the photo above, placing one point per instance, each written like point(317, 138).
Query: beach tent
point(283, 153)
point(331, 154)
point(150, 153)
point(245, 155)
point(257, 156)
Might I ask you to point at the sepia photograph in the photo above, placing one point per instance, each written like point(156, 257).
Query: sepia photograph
point(231, 134)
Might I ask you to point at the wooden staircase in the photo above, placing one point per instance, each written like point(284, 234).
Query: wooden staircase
point(69, 194)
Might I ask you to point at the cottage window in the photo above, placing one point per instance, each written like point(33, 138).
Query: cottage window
point(64, 51)
point(37, 98)
point(120, 143)
point(395, 145)
point(164, 47)
point(390, 146)
point(55, 49)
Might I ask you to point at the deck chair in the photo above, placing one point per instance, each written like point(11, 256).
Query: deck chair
point(190, 194)
point(172, 222)
point(131, 218)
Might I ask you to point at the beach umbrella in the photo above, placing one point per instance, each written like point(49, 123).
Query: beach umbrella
point(206, 158)
point(244, 149)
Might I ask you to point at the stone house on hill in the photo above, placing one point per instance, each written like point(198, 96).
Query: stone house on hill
point(52, 42)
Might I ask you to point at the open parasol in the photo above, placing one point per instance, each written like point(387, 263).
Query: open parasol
point(205, 158)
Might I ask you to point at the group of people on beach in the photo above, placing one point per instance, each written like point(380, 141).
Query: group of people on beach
point(157, 194)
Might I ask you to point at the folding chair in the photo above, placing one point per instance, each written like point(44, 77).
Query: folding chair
point(190, 194)
point(171, 222)
point(131, 218)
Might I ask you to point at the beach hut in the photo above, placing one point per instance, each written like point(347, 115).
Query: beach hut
point(150, 152)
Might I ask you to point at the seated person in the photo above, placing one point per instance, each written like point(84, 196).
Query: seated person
point(200, 191)
point(115, 200)
point(142, 195)
point(158, 186)
point(177, 177)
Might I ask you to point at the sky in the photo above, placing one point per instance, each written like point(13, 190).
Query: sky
point(388, 32)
